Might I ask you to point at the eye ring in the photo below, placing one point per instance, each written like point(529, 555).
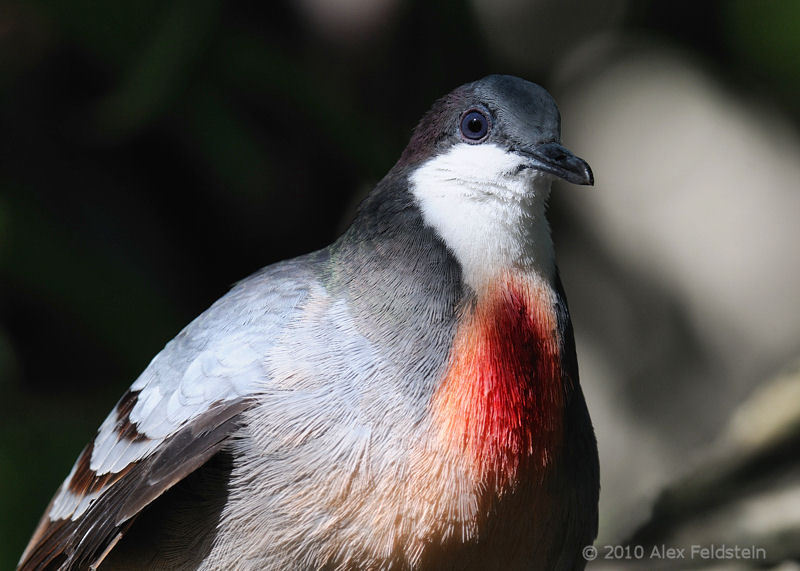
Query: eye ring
point(474, 125)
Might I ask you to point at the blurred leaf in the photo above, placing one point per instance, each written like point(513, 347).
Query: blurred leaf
point(87, 283)
point(8, 362)
point(229, 145)
point(4, 225)
point(25, 35)
point(161, 69)
point(767, 36)
point(251, 64)
point(111, 31)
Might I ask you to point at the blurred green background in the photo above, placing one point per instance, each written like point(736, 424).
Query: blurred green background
point(153, 153)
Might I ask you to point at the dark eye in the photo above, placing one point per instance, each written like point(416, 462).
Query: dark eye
point(474, 125)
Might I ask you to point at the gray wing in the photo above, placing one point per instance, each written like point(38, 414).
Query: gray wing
point(176, 415)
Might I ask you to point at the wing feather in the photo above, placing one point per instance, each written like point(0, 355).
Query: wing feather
point(83, 542)
point(178, 414)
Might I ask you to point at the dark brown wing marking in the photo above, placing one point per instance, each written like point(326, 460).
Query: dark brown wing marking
point(84, 542)
point(125, 429)
point(86, 481)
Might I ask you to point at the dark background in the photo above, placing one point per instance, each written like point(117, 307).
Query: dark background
point(153, 153)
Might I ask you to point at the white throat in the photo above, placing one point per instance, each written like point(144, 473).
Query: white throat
point(490, 214)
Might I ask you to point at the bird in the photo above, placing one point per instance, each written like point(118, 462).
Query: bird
point(405, 398)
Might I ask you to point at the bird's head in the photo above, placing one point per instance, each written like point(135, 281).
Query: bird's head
point(480, 164)
point(498, 116)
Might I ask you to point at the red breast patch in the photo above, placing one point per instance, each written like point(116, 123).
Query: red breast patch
point(502, 399)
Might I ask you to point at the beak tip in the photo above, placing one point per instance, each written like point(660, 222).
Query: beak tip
point(579, 173)
point(588, 176)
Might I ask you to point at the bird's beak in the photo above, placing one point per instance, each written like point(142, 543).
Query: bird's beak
point(559, 161)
